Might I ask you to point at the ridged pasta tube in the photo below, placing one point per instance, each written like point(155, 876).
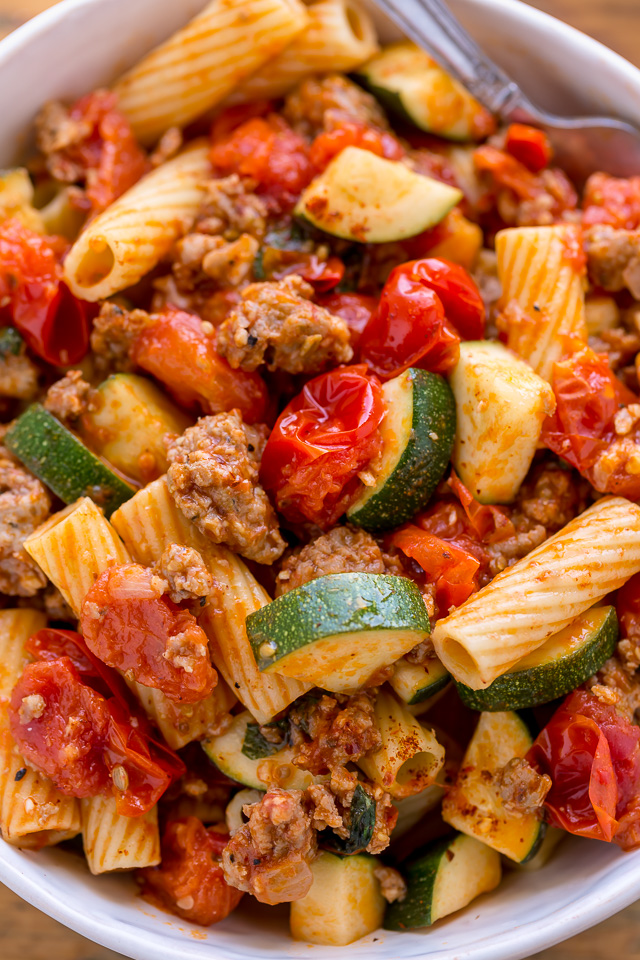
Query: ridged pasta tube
point(339, 37)
point(33, 812)
point(542, 593)
point(542, 299)
point(200, 64)
point(129, 238)
point(113, 842)
point(148, 523)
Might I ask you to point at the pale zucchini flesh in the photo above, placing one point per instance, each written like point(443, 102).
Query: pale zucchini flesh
point(415, 682)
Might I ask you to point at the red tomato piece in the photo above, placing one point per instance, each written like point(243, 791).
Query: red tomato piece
point(51, 644)
point(528, 145)
point(190, 882)
point(356, 308)
point(612, 200)
point(353, 133)
point(271, 153)
point(44, 699)
point(592, 754)
point(323, 275)
point(54, 324)
point(177, 352)
point(233, 117)
point(489, 523)
point(319, 444)
point(130, 625)
point(449, 566)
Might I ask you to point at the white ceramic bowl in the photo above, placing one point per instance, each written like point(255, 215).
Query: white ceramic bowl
point(69, 50)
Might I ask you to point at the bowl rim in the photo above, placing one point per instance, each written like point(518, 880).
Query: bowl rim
point(617, 890)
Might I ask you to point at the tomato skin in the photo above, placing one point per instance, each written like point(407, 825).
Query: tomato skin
point(270, 152)
point(54, 324)
point(592, 754)
point(449, 566)
point(612, 200)
point(353, 133)
point(356, 308)
point(70, 755)
point(323, 275)
point(177, 352)
point(191, 869)
point(134, 629)
point(528, 145)
point(319, 444)
point(51, 644)
point(426, 307)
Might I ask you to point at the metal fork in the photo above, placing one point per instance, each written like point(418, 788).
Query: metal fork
point(581, 145)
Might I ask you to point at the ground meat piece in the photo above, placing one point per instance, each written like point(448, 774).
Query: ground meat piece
point(114, 333)
point(200, 258)
point(231, 209)
point(613, 258)
point(554, 201)
point(276, 323)
point(618, 684)
point(56, 131)
point(506, 552)
point(619, 344)
point(24, 505)
point(342, 729)
point(421, 652)
point(269, 856)
point(18, 375)
point(392, 886)
point(522, 788)
point(68, 398)
point(324, 103)
point(332, 808)
point(326, 812)
point(485, 274)
point(213, 478)
point(185, 573)
point(552, 496)
point(342, 550)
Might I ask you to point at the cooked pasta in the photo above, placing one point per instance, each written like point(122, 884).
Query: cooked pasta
point(126, 241)
point(33, 812)
point(542, 278)
point(113, 842)
point(198, 66)
point(148, 523)
point(542, 593)
point(181, 723)
point(339, 37)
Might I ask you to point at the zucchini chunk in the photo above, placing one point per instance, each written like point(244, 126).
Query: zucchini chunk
point(11, 343)
point(60, 459)
point(500, 405)
point(446, 877)
point(363, 820)
point(226, 751)
point(474, 805)
point(343, 904)
point(338, 631)
point(409, 83)
point(367, 199)
point(565, 661)
point(418, 432)
point(411, 810)
point(131, 419)
point(415, 682)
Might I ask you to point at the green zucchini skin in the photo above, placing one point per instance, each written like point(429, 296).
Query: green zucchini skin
point(11, 343)
point(420, 877)
point(416, 683)
point(342, 603)
point(363, 820)
point(60, 459)
point(424, 458)
point(543, 683)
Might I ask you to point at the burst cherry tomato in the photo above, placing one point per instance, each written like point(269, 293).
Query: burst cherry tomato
point(450, 567)
point(356, 308)
point(177, 351)
point(323, 275)
point(353, 133)
point(190, 881)
point(54, 324)
point(612, 200)
point(528, 145)
point(592, 755)
point(129, 625)
point(321, 441)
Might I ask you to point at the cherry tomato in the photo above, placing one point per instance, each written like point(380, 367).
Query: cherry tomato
point(323, 275)
point(592, 754)
point(356, 308)
point(177, 351)
point(528, 145)
point(321, 441)
point(612, 200)
point(425, 308)
point(190, 882)
point(51, 644)
point(489, 523)
point(450, 567)
point(271, 153)
point(131, 626)
point(353, 133)
point(54, 324)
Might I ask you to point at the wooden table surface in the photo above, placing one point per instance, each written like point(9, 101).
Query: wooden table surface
point(26, 934)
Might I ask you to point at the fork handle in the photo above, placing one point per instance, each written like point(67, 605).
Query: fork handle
point(433, 27)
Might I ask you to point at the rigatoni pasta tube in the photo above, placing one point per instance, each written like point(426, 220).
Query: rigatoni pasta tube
point(113, 842)
point(148, 523)
point(542, 303)
point(199, 65)
point(410, 756)
point(542, 593)
point(339, 37)
point(33, 812)
point(129, 238)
